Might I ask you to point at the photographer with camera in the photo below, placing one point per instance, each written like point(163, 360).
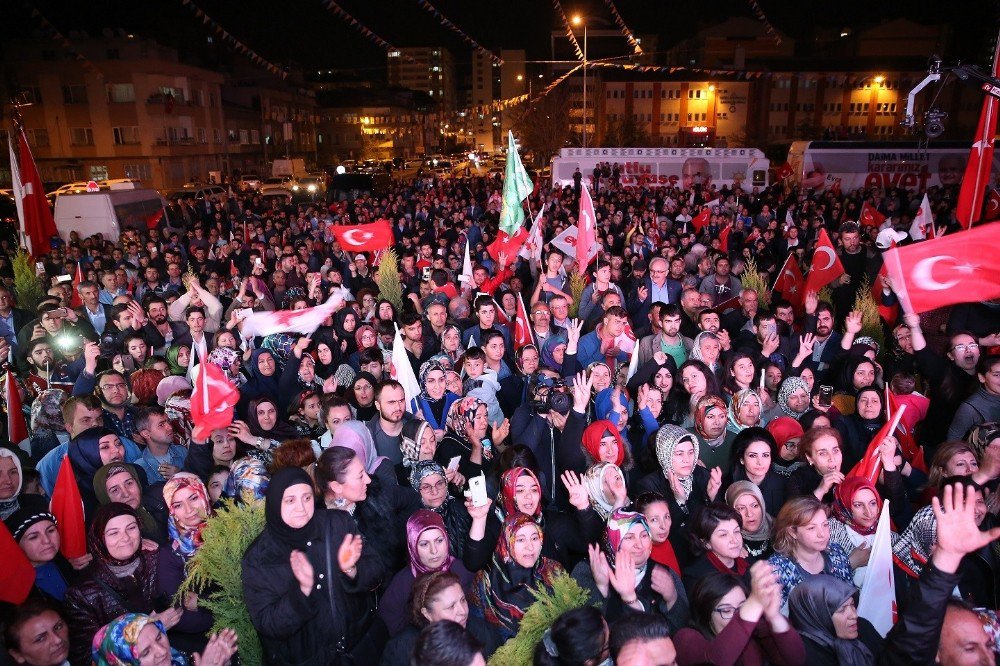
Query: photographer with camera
point(539, 424)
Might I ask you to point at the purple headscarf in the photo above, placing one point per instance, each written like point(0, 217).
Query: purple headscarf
point(355, 436)
point(420, 522)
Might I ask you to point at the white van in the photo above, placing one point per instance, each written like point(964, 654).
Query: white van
point(107, 212)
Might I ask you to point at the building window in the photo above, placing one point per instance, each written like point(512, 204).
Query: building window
point(119, 93)
point(254, 136)
point(32, 94)
point(81, 136)
point(244, 137)
point(74, 94)
point(199, 98)
point(98, 173)
point(211, 100)
point(126, 135)
point(38, 138)
point(202, 135)
point(138, 171)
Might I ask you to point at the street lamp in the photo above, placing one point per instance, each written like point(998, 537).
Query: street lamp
point(577, 21)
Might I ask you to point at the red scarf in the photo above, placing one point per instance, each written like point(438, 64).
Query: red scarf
point(739, 567)
point(663, 553)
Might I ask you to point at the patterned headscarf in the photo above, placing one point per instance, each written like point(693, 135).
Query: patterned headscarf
point(421, 521)
point(702, 408)
point(593, 481)
point(46, 412)
point(980, 436)
point(225, 358)
point(178, 409)
point(425, 369)
point(361, 330)
point(463, 412)
point(505, 505)
point(185, 541)
point(247, 482)
point(739, 400)
point(11, 504)
point(117, 642)
point(619, 524)
point(422, 470)
point(789, 386)
point(843, 497)
point(409, 440)
point(667, 439)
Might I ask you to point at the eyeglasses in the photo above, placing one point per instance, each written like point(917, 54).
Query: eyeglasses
point(961, 349)
point(113, 387)
point(726, 612)
point(428, 487)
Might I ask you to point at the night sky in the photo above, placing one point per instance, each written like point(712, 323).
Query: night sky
point(305, 32)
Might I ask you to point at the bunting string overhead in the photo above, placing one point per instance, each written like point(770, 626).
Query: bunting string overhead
point(569, 29)
point(360, 27)
point(239, 46)
point(738, 73)
point(620, 22)
point(458, 31)
point(53, 33)
point(555, 84)
point(763, 19)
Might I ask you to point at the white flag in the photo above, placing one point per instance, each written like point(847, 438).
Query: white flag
point(466, 275)
point(566, 241)
point(922, 220)
point(532, 248)
point(402, 372)
point(17, 189)
point(877, 602)
point(304, 322)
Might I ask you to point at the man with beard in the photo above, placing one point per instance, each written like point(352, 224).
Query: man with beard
point(669, 340)
point(859, 262)
point(387, 426)
point(826, 345)
point(159, 331)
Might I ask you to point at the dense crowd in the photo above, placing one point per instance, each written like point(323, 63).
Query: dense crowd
point(696, 486)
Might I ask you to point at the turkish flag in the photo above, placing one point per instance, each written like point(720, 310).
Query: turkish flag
point(977, 170)
point(212, 401)
point(36, 216)
point(522, 327)
point(869, 216)
point(17, 430)
point(923, 221)
point(992, 206)
point(67, 507)
point(364, 237)
point(153, 219)
point(586, 239)
point(76, 301)
point(783, 172)
point(826, 266)
point(870, 465)
point(509, 245)
point(724, 238)
point(790, 283)
point(912, 452)
point(17, 576)
point(956, 268)
point(888, 313)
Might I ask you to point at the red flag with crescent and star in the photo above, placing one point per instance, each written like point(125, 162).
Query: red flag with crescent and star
point(791, 284)
point(869, 216)
point(509, 245)
point(364, 237)
point(826, 266)
point(992, 206)
point(957, 268)
point(522, 327)
point(212, 401)
point(977, 170)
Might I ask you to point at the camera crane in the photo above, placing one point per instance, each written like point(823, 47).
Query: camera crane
point(934, 117)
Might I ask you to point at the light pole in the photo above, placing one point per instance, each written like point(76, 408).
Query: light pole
point(578, 20)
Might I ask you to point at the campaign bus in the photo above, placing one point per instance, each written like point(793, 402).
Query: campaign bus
point(667, 167)
point(843, 166)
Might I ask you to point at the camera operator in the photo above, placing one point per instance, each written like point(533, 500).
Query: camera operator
point(539, 424)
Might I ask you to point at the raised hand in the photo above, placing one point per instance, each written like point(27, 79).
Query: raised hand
point(582, 385)
point(623, 576)
point(500, 431)
point(478, 512)
point(302, 569)
point(573, 333)
point(676, 487)
point(812, 302)
point(806, 344)
point(169, 617)
point(714, 483)
point(220, 649)
point(349, 553)
point(853, 321)
point(578, 496)
point(957, 532)
point(663, 584)
point(599, 568)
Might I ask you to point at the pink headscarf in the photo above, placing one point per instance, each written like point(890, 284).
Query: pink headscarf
point(420, 522)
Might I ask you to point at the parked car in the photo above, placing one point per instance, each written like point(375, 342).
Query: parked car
point(280, 182)
point(248, 182)
point(196, 192)
point(314, 185)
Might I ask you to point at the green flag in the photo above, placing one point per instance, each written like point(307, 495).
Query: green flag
point(516, 188)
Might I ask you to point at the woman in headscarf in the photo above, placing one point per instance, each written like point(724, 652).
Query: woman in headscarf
point(754, 451)
point(248, 481)
point(857, 507)
point(786, 432)
point(707, 348)
point(417, 442)
point(263, 430)
point(262, 376)
point(378, 506)
point(655, 510)
point(123, 578)
point(745, 411)
point(430, 480)
point(682, 483)
point(554, 352)
point(602, 441)
point(859, 372)
point(307, 580)
point(189, 509)
point(135, 639)
point(88, 452)
point(230, 361)
point(717, 541)
point(467, 436)
point(513, 387)
point(621, 577)
point(121, 482)
point(11, 482)
point(503, 592)
point(613, 404)
point(756, 523)
point(434, 400)
point(793, 399)
point(714, 439)
point(178, 358)
point(327, 360)
point(34, 529)
point(429, 551)
point(345, 323)
point(361, 395)
point(858, 428)
point(823, 609)
point(356, 436)
point(521, 492)
point(304, 412)
point(48, 430)
point(606, 488)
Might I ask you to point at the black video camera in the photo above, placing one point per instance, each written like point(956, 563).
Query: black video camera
point(549, 395)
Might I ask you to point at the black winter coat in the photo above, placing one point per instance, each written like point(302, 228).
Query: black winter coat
point(679, 516)
point(381, 520)
point(336, 616)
